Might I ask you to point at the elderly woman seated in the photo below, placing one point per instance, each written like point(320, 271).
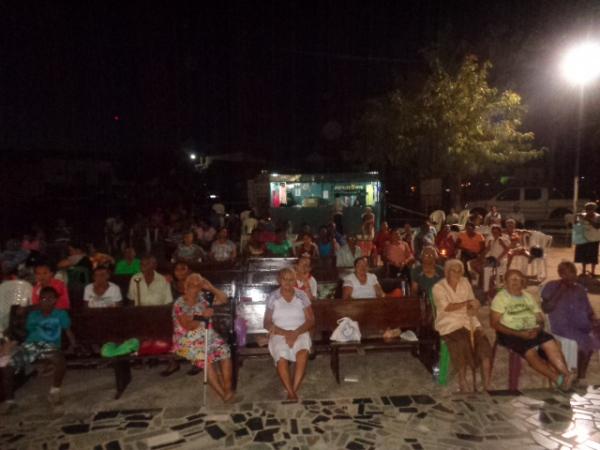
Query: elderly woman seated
point(361, 283)
point(456, 321)
point(289, 318)
point(571, 316)
point(190, 312)
point(519, 323)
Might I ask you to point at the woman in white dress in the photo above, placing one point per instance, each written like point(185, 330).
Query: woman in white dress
point(288, 318)
point(361, 283)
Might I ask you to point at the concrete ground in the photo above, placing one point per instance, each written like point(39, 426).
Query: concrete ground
point(394, 390)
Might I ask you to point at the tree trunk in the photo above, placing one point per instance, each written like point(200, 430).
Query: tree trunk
point(456, 192)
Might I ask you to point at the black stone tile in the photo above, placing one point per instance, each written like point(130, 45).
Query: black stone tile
point(320, 418)
point(417, 446)
point(64, 446)
point(183, 426)
point(368, 424)
point(139, 417)
point(15, 438)
point(240, 432)
point(309, 402)
point(215, 432)
point(327, 411)
point(409, 440)
point(169, 444)
point(362, 400)
point(306, 431)
point(361, 409)
point(318, 430)
point(266, 435)
point(96, 447)
point(422, 415)
point(408, 410)
point(238, 418)
point(423, 399)
point(137, 425)
point(327, 403)
point(278, 445)
point(504, 393)
point(113, 445)
point(254, 423)
point(106, 415)
point(293, 426)
point(469, 437)
point(385, 401)
point(272, 423)
point(400, 400)
point(341, 417)
point(79, 428)
point(364, 417)
point(354, 446)
point(126, 412)
point(196, 416)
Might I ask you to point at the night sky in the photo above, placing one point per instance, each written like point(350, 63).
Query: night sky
point(277, 79)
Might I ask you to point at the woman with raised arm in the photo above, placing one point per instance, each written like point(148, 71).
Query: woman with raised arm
point(189, 329)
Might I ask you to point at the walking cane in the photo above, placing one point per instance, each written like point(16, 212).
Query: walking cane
point(208, 327)
point(472, 336)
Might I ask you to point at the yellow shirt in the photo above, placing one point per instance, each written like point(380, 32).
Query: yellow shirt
point(518, 313)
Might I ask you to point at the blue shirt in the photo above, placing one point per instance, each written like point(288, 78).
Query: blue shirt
point(48, 328)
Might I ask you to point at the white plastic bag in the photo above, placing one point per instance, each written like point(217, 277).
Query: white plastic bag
point(346, 331)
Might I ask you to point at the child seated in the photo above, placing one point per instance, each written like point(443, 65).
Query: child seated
point(43, 342)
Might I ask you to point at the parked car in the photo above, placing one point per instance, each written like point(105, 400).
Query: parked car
point(536, 203)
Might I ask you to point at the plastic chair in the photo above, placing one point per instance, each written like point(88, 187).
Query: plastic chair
point(538, 267)
point(463, 217)
point(444, 355)
point(438, 217)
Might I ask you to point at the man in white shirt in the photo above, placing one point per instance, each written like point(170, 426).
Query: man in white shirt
point(102, 293)
point(348, 253)
point(149, 287)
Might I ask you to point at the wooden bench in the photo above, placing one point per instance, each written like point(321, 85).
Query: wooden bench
point(373, 316)
point(94, 327)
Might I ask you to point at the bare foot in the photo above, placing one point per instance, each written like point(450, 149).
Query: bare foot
point(292, 397)
point(569, 379)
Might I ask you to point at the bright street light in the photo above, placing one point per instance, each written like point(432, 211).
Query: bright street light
point(192, 156)
point(580, 66)
point(581, 63)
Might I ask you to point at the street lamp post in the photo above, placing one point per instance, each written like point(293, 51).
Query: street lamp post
point(581, 66)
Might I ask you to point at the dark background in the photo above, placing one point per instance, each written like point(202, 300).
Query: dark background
point(141, 83)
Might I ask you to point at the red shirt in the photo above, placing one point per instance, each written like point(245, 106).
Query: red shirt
point(63, 295)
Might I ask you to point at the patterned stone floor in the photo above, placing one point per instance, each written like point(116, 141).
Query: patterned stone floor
point(535, 419)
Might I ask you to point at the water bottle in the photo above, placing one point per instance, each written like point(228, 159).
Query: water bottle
point(436, 373)
point(403, 286)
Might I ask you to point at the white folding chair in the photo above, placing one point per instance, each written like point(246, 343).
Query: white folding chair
point(438, 218)
point(538, 267)
point(463, 217)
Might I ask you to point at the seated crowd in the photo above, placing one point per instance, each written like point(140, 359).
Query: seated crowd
point(443, 265)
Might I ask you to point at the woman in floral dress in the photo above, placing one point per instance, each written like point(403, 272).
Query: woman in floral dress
point(189, 332)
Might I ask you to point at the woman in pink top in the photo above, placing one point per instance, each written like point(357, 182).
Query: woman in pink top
point(456, 321)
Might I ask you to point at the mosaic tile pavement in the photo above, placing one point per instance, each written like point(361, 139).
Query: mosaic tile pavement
point(536, 419)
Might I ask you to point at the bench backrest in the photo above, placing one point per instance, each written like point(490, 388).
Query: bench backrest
point(373, 315)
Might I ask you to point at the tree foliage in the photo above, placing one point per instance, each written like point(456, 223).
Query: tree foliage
point(456, 126)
